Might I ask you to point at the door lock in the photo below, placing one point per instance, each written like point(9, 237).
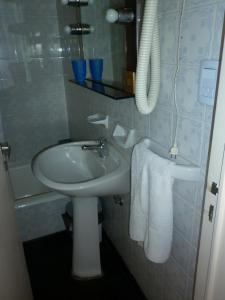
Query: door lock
point(214, 188)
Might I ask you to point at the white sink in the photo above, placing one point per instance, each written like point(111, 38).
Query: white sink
point(70, 170)
point(83, 175)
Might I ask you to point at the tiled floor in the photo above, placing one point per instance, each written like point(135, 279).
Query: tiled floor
point(49, 264)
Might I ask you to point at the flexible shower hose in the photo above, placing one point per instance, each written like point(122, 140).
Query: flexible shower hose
point(148, 56)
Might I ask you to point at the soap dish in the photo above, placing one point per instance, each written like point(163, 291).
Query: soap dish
point(126, 138)
point(99, 119)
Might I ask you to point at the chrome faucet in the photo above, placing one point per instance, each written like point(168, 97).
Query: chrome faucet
point(102, 147)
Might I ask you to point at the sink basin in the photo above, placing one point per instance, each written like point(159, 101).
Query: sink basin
point(83, 175)
point(70, 170)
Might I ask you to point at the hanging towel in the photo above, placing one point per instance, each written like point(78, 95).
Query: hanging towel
point(151, 214)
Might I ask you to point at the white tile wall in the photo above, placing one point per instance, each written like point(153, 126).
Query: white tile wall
point(201, 35)
point(183, 217)
point(168, 40)
point(32, 95)
point(196, 44)
point(190, 139)
point(161, 126)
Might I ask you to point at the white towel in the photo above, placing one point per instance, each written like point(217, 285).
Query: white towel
point(151, 215)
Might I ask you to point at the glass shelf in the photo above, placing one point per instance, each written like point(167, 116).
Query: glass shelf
point(105, 89)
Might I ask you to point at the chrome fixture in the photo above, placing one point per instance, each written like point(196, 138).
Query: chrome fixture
point(78, 29)
point(76, 2)
point(5, 149)
point(122, 15)
point(118, 200)
point(102, 148)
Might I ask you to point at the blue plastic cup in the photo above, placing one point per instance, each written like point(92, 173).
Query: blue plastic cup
point(79, 70)
point(96, 68)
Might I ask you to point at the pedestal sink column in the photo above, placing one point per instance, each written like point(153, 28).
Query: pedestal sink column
point(86, 251)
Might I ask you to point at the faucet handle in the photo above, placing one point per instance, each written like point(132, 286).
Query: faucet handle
point(102, 140)
point(103, 145)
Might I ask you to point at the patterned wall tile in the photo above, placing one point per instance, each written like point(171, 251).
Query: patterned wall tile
point(200, 190)
point(190, 289)
point(192, 262)
point(186, 190)
point(161, 127)
point(141, 124)
point(166, 6)
point(183, 217)
point(209, 114)
point(187, 93)
point(9, 8)
point(196, 44)
point(195, 3)
point(176, 281)
point(168, 37)
point(190, 140)
point(181, 250)
point(196, 229)
point(205, 145)
point(166, 96)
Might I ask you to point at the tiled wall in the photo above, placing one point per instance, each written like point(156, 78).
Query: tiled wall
point(201, 35)
point(32, 95)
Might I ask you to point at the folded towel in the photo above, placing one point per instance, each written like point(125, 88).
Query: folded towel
point(151, 215)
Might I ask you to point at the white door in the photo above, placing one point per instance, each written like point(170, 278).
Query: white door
point(210, 279)
point(14, 280)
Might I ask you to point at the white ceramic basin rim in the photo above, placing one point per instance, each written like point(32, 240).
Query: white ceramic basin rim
point(76, 172)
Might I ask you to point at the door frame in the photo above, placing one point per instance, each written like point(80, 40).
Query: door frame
point(212, 231)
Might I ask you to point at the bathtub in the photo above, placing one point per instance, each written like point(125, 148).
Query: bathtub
point(38, 209)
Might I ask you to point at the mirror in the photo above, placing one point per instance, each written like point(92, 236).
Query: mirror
point(114, 42)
